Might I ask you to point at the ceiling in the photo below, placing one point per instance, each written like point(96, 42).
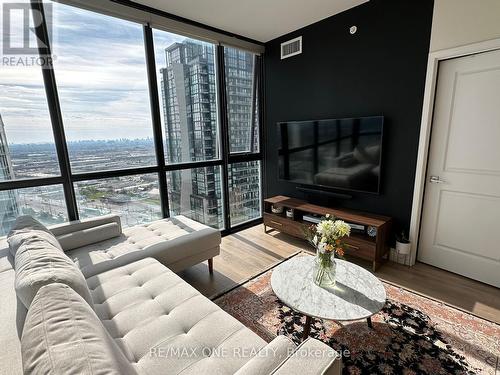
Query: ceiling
point(261, 20)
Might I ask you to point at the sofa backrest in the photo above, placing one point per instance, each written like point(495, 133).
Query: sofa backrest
point(40, 260)
point(38, 263)
point(63, 335)
point(24, 229)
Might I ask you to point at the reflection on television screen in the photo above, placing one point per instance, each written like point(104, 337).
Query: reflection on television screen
point(338, 153)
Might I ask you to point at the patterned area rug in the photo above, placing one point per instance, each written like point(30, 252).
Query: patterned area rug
point(411, 335)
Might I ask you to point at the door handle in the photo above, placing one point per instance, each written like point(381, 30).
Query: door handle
point(436, 180)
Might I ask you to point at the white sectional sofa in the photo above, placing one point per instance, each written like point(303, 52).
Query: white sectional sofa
point(112, 312)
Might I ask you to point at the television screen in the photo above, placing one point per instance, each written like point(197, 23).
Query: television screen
point(339, 154)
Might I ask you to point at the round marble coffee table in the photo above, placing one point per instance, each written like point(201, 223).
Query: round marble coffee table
point(357, 295)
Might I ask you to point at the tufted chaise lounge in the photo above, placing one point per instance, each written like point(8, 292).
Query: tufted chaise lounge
point(136, 318)
point(177, 242)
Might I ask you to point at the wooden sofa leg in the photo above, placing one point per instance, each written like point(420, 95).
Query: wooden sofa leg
point(211, 266)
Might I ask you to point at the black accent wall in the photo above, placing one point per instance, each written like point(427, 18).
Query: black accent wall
point(378, 71)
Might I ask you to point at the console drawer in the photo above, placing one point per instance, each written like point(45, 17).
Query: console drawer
point(283, 224)
point(360, 248)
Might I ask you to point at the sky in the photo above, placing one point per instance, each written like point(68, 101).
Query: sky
point(101, 77)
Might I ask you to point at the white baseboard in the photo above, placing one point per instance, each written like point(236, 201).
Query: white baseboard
point(401, 259)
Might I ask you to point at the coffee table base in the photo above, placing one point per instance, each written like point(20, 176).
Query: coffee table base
point(307, 326)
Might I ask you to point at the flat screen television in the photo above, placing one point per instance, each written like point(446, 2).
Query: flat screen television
point(342, 154)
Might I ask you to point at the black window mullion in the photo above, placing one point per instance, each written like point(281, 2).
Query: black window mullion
point(236, 158)
point(113, 173)
point(262, 148)
point(28, 183)
point(191, 165)
point(221, 78)
point(156, 118)
point(49, 80)
point(254, 97)
point(135, 171)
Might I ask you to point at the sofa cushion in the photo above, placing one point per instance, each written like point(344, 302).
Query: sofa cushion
point(311, 357)
point(161, 322)
point(269, 357)
point(26, 228)
point(77, 225)
point(62, 335)
point(169, 241)
point(87, 236)
point(38, 263)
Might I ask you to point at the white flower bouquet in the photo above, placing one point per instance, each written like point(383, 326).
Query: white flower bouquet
point(327, 237)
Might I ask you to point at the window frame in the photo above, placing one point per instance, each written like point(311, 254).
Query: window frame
point(67, 178)
point(256, 102)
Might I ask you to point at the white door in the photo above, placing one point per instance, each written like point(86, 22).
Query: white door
point(460, 228)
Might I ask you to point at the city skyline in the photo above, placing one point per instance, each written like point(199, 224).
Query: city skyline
point(101, 196)
point(89, 73)
point(105, 130)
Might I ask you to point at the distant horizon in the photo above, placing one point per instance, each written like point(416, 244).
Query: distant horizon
point(84, 140)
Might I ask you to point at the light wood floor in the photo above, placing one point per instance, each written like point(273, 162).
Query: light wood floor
point(250, 252)
point(243, 255)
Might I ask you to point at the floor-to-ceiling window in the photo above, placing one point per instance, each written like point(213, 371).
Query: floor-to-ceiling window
point(129, 120)
point(27, 147)
point(101, 74)
point(244, 169)
point(189, 103)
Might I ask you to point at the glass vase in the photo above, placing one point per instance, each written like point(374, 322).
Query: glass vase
point(325, 269)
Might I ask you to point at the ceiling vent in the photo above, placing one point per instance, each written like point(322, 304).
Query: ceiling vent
point(291, 48)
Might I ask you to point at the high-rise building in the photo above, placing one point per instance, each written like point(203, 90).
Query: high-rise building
point(189, 104)
point(8, 200)
point(189, 97)
point(242, 109)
